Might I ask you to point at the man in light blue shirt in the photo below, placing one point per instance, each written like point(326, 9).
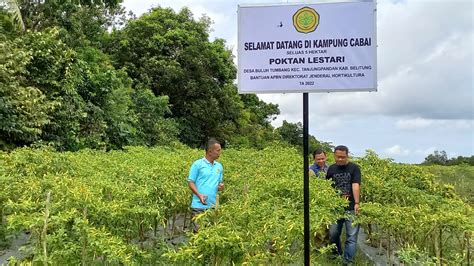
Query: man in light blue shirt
point(205, 179)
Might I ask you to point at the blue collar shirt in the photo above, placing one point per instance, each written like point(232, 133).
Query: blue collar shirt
point(207, 177)
point(316, 169)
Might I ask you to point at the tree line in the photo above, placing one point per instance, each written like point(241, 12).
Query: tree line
point(87, 74)
point(441, 158)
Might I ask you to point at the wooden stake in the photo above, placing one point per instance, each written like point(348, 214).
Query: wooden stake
point(44, 233)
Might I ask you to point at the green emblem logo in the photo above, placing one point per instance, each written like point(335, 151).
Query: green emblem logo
point(306, 20)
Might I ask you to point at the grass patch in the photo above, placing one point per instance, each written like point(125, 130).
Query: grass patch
point(460, 176)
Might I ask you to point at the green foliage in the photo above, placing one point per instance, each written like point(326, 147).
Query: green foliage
point(260, 217)
point(14, 20)
point(171, 54)
point(104, 206)
point(23, 106)
point(438, 157)
point(253, 127)
point(168, 82)
point(412, 255)
point(460, 160)
point(152, 128)
point(38, 15)
point(441, 158)
point(461, 177)
point(6, 23)
point(51, 70)
point(107, 95)
point(404, 205)
point(71, 99)
point(260, 112)
point(292, 133)
point(76, 115)
point(100, 203)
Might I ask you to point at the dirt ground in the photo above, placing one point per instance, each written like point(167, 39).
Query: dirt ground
point(15, 249)
point(378, 257)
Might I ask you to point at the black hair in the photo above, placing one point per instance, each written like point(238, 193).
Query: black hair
point(342, 148)
point(210, 143)
point(318, 151)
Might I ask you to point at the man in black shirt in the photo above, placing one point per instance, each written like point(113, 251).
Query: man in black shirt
point(346, 178)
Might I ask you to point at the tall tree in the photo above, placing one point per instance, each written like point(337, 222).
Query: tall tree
point(262, 113)
point(68, 99)
point(171, 54)
point(83, 22)
point(438, 157)
point(23, 107)
point(152, 128)
point(292, 133)
point(181, 83)
point(39, 15)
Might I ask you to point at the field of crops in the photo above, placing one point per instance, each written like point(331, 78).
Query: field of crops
point(118, 207)
point(460, 176)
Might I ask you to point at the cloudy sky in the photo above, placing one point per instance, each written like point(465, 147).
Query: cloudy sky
point(425, 97)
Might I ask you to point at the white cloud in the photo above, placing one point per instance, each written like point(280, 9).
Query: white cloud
point(414, 123)
point(322, 123)
point(216, 17)
point(291, 106)
point(426, 152)
point(425, 65)
point(422, 123)
point(397, 150)
point(452, 154)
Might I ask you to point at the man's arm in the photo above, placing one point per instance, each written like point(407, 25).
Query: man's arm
point(220, 186)
point(356, 179)
point(194, 189)
point(356, 194)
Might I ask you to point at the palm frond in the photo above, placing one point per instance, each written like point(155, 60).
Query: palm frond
point(12, 7)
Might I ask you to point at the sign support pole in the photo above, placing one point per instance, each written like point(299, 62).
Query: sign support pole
point(307, 254)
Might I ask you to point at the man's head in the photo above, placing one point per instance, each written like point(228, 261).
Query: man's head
point(341, 155)
point(319, 157)
point(213, 149)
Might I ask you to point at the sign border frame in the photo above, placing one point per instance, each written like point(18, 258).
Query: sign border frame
point(311, 90)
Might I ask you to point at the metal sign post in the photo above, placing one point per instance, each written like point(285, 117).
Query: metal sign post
point(307, 233)
point(305, 48)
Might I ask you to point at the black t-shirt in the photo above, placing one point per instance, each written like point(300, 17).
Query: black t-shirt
point(343, 176)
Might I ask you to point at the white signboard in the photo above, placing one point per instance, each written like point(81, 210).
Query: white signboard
point(307, 48)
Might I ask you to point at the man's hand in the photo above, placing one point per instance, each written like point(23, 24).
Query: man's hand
point(356, 194)
point(220, 187)
point(203, 199)
point(356, 208)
